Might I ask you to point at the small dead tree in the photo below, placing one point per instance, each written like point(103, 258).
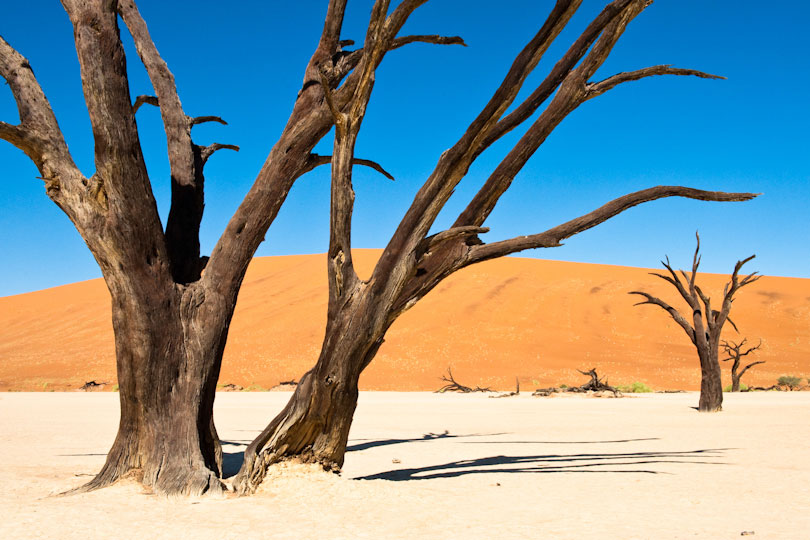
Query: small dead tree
point(735, 352)
point(707, 323)
point(314, 425)
point(596, 384)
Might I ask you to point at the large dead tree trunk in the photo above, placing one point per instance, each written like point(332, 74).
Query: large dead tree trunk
point(166, 432)
point(414, 262)
point(170, 318)
point(707, 323)
point(736, 351)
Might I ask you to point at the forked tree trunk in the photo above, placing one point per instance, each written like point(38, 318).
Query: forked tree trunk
point(711, 386)
point(169, 346)
point(314, 425)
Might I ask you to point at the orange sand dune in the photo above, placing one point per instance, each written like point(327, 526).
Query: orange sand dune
point(527, 318)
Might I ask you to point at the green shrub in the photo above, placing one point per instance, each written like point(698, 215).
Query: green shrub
point(563, 386)
point(635, 388)
point(255, 388)
point(743, 387)
point(115, 388)
point(791, 381)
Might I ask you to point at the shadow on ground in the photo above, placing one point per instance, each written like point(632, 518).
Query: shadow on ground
point(619, 462)
point(632, 462)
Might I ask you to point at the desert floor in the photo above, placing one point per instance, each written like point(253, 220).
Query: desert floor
point(426, 465)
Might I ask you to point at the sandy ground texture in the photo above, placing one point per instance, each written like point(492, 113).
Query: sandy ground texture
point(527, 318)
point(440, 466)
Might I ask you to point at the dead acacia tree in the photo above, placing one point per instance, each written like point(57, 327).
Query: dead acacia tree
point(170, 318)
point(735, 351)
point(315, 423)
point(707, 323)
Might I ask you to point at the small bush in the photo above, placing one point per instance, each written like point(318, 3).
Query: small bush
point(255, 388)
point(115, 388)
point(791, 381)
point(635, 388)
point(743, 387)
point(563, 386)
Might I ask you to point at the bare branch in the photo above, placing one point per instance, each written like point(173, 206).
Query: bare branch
point(599, 88)
point(435, 39)
point(330, 37)
point(437, 239)
point(571, 94)
point(750, 349)
point(454, 163)
point(38, 133)
point(175, 121)
point(350, 59)
point(316, 160)
point(676, 281)
point(207, 151)
point(338, 117)
point(202, 119)
point(140, 100)
point(749, 366)
point(555, 77)
point(649, 299)
point(731, 289)
point(553, 236)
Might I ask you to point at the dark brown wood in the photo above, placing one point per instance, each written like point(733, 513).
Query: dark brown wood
point(171, 306)
point(736, 350)
point(707, 323)
point(454, 386)
point(315, 423)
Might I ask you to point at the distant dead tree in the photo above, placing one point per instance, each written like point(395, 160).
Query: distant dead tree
point(314, 426)
point(707, 323)
point(735, 352)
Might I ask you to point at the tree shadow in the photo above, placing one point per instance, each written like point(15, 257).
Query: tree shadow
point(446, 435)
point(552, 463)
point(373, 443)
point(231, 462)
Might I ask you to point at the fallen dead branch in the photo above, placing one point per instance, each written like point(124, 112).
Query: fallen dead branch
point(595, 384)
point(454, 386)
point(93, 385)
point(510, 394)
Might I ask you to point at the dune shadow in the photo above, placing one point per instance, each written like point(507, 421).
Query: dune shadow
point(631, 462)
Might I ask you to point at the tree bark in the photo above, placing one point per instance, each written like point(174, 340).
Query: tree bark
point(711, 386)
point(169, 343)
point(314, 425)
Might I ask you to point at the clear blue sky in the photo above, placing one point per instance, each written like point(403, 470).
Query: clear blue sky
point(244, 61)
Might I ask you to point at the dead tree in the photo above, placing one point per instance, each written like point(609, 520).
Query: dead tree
point(735, 352)
point(170, 318)
point(707, 323)
point(314, 425)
